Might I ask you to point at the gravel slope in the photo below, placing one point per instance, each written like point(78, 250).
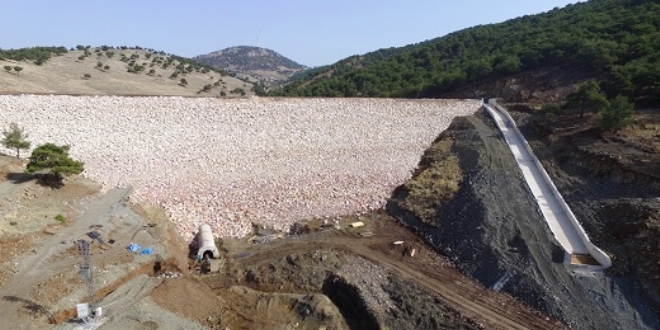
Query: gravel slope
point(494, 231)
point(233, 162)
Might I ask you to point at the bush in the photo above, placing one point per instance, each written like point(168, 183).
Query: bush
point(87, 76)
point(238, 90)
point(183, 82)
point(60, 218)
point(618, 114)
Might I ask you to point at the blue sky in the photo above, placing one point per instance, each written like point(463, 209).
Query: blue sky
point(311, 32)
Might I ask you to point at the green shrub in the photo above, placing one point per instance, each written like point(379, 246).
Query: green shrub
point(618, 114)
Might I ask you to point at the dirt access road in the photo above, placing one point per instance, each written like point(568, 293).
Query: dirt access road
point(33, 269)
point(434, 273)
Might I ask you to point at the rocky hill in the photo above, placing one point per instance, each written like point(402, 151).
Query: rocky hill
point(112, 71)
point(259, 62)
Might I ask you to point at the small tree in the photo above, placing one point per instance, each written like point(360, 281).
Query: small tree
point(53, 163)
point(16, 139)
point(8, 68)
point(184, 82)
point(18, 69)
point(106, 68)
point(99, 64)
point(588, 97)
point(87, 76)
point(618, 114)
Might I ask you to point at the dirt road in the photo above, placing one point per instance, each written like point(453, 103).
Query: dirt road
point(432, 272)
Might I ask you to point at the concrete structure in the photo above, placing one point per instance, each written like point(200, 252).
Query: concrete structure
point(561, 220)
point(206, 243)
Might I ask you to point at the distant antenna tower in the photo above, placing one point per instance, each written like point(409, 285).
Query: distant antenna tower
point(259, 39)
point(86, 271)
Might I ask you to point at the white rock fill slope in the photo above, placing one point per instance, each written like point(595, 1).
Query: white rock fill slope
point(233, 162)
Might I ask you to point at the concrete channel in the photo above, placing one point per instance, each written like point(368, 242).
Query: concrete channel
point(562, 222)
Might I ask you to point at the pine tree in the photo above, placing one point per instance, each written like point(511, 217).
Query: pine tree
point(15, 138)
point(55, 162)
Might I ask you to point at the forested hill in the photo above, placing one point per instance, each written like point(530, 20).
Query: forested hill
point(617, 39)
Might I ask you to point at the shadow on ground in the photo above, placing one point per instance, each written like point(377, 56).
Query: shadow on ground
point(32, 307)
point(19, 178)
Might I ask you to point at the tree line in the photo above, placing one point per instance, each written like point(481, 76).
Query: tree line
point(39, 55)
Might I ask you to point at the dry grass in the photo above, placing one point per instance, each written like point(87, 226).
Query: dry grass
point(65, 75)
point(437, 180)
point(645, 129)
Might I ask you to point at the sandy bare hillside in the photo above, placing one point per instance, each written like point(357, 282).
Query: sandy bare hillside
point(65, 74)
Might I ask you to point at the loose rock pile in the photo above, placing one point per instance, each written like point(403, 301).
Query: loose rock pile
point(233, 162)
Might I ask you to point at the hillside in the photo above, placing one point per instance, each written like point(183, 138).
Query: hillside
point(262, 63)
point(111, 71)
point(614, 40)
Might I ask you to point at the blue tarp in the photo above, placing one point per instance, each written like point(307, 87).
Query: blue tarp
point(134, 247)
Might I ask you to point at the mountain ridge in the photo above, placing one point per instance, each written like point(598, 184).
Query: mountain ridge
point(263, 63)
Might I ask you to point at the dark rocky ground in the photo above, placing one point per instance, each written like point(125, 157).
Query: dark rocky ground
point(492, 227)
point(367, 296)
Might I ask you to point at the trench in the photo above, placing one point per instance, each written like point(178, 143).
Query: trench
point(351, 306)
